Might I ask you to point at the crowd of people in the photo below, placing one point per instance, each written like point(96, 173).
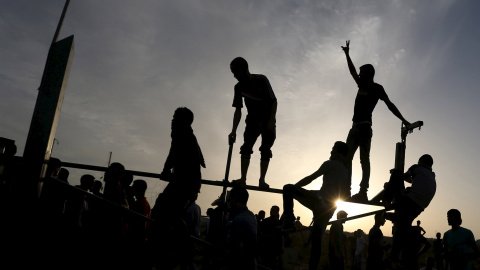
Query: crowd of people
point(118, 229)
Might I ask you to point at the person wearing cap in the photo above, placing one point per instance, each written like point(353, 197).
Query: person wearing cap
point(336, 243)
point(322, 202)
point(409, 202)
point(459, 243)
point(360, 135)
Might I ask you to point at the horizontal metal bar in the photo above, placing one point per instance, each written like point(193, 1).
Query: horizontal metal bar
point(157, 176)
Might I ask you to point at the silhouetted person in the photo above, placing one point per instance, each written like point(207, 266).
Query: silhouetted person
point(63, 175)
point(438, 251)
point(270, 239)
point(360, 135)
point(53, 193)
point(298, 223)
point(459, 243)
point(138, 227)
point(322, 202)
point(261, 105)
point(359, 249)
point(409, 204)
point(77, 207)
point(419, 228)
point(260, 216)
point(242, 240)
point(336, 243)
point(112, 220)
point(114, 191)
point(182, 169)
point(376, 245)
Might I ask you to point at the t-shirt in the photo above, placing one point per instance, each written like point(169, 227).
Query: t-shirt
point(458, 244)
point(258, 95)
point(367, 97)
point(423, 187)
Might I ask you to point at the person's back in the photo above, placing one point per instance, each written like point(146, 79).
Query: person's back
point(243, 231)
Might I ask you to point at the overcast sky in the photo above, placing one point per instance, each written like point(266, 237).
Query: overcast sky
point(135, 63)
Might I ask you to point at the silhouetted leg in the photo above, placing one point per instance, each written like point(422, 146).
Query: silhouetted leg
point(353, 142)
point(244, 164)
point(365, 145)
point(252, 131)
point(268, 138)
point(395, 186)
point(319, 227)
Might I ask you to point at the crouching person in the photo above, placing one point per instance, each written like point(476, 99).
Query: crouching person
point(336, 185)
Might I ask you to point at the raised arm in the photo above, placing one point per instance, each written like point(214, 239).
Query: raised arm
point(351, 67)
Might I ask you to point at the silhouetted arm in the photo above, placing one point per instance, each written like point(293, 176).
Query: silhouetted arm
point(395, 111)
point(351, 66)
point(273, 112)
point(236, 120)
point(308, 179)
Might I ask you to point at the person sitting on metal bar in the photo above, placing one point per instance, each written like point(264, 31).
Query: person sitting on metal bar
point(410, 202)
point(322, 202)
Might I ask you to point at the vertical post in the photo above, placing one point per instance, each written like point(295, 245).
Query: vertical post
point(46, 113)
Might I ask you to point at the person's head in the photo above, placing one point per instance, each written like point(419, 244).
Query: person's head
point(379, 219)
point(341, 214)
point(139, 188)
point(418, 222)
point(275, 211)
point(239, 68)
point(261, 214)
point(114, 172)
point(439, 235)
point(298, 218)
point(63, 174)
point(238, 197)
point(426, 161)
point(454, 217)
point(340, 148)
point(53, 167)
point(367, 72)
point(87, 181)
point(127, 179)
point(183, 116)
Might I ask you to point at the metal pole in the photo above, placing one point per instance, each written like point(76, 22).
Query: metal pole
point(60, 22)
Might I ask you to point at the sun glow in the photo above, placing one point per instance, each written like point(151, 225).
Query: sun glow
point(352, 209)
